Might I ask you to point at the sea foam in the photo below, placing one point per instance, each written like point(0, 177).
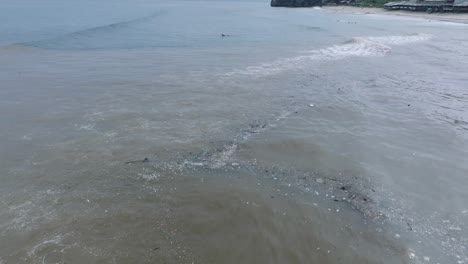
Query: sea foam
point(356, 47)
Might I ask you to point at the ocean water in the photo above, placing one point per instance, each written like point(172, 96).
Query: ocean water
point(302, 136)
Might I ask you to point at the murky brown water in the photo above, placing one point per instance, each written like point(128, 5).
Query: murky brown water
point(202, 219)
point(298, 139)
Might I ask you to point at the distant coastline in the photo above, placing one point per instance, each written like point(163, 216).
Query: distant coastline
point(447, 17)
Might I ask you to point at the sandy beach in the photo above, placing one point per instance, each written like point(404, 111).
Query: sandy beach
point(449, 17)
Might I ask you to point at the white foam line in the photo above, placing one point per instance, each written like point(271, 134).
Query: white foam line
point(56, 240)
point(358, 47)
point(222, 159)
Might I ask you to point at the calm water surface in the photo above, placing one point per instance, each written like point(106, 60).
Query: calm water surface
point(304, 136)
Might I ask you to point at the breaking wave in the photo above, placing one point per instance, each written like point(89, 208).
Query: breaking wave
point(357, 47)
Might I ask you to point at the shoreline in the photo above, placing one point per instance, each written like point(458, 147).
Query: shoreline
point(445, 17)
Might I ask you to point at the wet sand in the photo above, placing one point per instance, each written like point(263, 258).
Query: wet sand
point(447, 17)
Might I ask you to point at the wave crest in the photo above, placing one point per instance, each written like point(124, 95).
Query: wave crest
point(357, 47)
point(74, 39)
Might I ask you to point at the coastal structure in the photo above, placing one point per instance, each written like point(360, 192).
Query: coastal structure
point(429, 5)
point(461, 6)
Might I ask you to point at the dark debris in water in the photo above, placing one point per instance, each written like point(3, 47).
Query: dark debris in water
point(137, 161)
point(220, 158)
point(410, 228)
point(340, 188)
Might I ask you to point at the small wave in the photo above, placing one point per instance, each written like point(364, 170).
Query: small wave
point(357, 47)
point(57, 240)
point(89, 32)
point(220, 157)
point(400, 40)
